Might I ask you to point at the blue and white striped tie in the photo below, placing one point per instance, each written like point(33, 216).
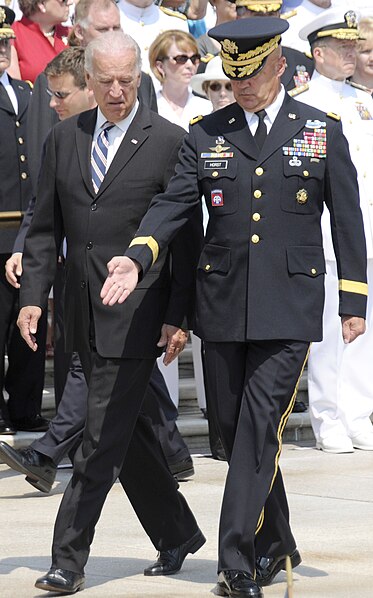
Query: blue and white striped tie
point(99, 156)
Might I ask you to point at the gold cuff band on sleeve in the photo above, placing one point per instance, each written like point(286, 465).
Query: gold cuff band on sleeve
point(351, 286)
point(150, 242)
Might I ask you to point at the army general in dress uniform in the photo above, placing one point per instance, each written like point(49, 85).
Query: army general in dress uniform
point(265, 165)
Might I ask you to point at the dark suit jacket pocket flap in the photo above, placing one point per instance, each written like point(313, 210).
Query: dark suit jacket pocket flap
point(215, 258)
point(308, 260)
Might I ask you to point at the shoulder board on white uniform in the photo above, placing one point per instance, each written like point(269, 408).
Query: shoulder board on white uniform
point(290, 13)
point(196, 119)
point(333, 116)
point(358, 86)
point(297, 90)
point(207, 57)
point(173, 13)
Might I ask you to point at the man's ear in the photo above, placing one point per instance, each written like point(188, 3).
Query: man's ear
point(281, 66)
point(78, 32)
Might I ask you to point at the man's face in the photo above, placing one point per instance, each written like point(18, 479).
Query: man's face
point(260, 91)
point(66, 98)
point(114, 81)
point(99, 21)
point(4, 55)
point(336, 58)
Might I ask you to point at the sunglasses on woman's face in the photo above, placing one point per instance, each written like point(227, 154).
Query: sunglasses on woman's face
point(183, 58)
point(217, 86)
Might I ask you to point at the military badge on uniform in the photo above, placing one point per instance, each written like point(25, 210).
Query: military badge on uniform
point(302, 196)
point(302, 76)
point(217, 198)
point(219, 148)
point(313, 144)
point(314, 124)
point(363, 111)
point(295, 162)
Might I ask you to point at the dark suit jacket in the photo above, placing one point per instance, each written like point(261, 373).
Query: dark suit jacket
point(101, 226)
point(41, 118)
point(261, 272)
point(15, 188)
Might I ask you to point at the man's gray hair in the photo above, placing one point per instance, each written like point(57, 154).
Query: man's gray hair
point(109, 44)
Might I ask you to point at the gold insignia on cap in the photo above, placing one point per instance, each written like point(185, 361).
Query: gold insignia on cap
point(260, 5)
point(229, 46)
point(302, 196)
point(248, 62)
point(349, 32)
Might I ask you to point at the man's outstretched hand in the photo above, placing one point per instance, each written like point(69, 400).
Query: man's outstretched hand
point(121, 281)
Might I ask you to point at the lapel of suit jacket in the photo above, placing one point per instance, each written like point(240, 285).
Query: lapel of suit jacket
point(235, 130)
point(84, 134)
point(134, 138)
point(286, 126)
point(5, 103)
point(23, 96)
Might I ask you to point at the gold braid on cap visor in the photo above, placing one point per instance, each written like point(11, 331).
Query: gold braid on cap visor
point(341, 33)
point(246, 63)
point(260, 7)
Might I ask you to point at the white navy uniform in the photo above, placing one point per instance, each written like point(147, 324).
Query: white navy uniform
point(305, 13)
point(144, 24)
point(339, 376)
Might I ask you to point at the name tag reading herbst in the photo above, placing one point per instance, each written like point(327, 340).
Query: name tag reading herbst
point(213, 164)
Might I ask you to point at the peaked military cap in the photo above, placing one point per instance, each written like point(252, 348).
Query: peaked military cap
point(334, 22)
point(7, 16)
point(262, 6)
point(246, 43)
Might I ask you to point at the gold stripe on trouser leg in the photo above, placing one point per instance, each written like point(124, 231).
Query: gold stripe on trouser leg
point(280, 430)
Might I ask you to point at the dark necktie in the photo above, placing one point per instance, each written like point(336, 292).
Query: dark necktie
point(261, 132)
point(99, 156)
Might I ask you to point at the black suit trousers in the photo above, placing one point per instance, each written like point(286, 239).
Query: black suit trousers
point(253, 387)
point(118, 442)
point(24, 380)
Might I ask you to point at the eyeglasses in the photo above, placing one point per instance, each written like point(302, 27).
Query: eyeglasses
point(218, 86)
point(60, 95)
point(183, 58)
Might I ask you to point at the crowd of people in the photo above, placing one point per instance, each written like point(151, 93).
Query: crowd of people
point(259, 239)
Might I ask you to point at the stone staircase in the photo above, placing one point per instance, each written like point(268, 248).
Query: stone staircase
point(191, 422)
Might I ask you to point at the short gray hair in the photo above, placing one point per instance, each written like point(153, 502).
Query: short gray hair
point(111, 43)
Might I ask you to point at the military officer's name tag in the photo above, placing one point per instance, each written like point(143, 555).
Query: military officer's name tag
point(212, 164)
point(217, 198)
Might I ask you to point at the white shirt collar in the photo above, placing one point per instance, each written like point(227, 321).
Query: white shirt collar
point(123, 124)
point(135, 12)
point(331, 84)
point(4, 79)
point(272, 110)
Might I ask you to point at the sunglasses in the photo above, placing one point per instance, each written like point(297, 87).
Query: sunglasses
point(218, 86)
point(183, 58)
point(60, 95)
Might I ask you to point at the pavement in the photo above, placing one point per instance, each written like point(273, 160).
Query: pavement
point(331, 502)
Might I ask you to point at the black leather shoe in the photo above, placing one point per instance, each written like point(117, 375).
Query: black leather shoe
point(170, 561)
point(40, 471)
point(182, 469)
point(31, 424)
point(238, 584)
point(268, 567)
point(299, 407)
point(61, 581)
point(6, 427)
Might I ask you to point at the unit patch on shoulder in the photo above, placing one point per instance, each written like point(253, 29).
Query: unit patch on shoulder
point(196, 119)
point(333, 116)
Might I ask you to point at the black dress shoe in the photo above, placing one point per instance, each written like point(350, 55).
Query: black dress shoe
point(61, 581)
point(299, 407)
point(170, 561)
point(268, 567)
point(31, 424)
point(40, 471)
point(238, 584)
point(182, 469)
point(6, 428)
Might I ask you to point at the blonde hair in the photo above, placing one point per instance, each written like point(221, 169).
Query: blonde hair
point(366, 31)
point(160, 47)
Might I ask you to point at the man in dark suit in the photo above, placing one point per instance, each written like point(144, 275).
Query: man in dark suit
point(24, 379)
point(95, 185)
point(265, 166)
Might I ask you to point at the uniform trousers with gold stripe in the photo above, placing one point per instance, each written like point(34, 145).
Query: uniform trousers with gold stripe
point(253, 388)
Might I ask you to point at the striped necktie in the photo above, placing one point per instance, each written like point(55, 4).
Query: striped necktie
point(99, 156)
